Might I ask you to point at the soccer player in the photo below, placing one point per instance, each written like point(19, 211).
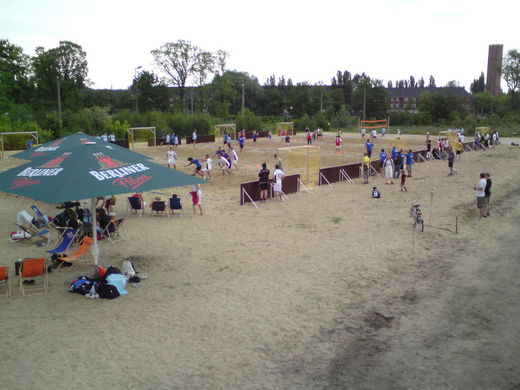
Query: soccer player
point(170, 157)
point(198, 166)
point(278, 176)
point(338, 144)
point(209, 166)
point(263, 179)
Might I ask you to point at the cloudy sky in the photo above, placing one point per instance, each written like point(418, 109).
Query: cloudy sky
point(302, 40)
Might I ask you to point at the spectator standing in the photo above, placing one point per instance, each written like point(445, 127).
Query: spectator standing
point(194, 137)
point(263, 179)
point(480, 189)
point(278, 176)
point(278, 161)
point(366, 167)
point(409, 163)
point(451, 160)
point(487, 192)
point(382, 159)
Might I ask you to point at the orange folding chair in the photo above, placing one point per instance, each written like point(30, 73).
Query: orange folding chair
point(4, 279)
point(29, 270)
point(79, 254)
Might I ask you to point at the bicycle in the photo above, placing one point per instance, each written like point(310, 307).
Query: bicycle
point(416, 215)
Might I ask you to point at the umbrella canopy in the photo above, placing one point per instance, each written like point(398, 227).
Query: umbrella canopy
point(61, 145)
point(89, 170)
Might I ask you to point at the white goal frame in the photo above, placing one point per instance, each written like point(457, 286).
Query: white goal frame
point(131, 130)
point(34, 135)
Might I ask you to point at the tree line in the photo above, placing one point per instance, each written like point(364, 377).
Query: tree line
point(50, 91)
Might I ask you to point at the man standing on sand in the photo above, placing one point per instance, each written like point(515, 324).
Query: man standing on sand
point(369, 146)
point(278, 161)
point(366, 167)
point(263, 179)
point(278, 176)
point(451, 160)
point(488, 192)
point(480, 189)
point(194, 137)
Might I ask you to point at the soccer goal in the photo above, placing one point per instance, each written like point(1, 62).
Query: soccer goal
point(219, 130)
point(18, 138)
point(133, 130)
point(288, 126)
point(304, 160)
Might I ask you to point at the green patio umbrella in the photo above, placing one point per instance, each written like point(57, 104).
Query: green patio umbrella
point(61, 145)
point(89, 170)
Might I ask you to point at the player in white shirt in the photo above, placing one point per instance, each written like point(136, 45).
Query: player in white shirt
point(209, 166)
point(170, 157)
point(278, 176)
point(374, 134)
point(234, 158)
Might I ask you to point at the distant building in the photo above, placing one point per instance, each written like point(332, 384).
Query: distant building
point(493, 69)
point(407, 99)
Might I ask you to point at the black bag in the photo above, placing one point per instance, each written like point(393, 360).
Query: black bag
point(107, 291)
point(112, 270)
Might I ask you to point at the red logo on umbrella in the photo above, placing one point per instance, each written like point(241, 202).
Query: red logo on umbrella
point(108, 162)
point(23, 182)
point(55, 162)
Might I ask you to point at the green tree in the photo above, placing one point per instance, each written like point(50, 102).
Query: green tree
point(178, 61)
point(152, 93)
point(15, 86)
point(511, 74)
point(66, 66)
point(478, 85)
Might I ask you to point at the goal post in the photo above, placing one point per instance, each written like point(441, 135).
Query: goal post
point(288, 126)
point(218, 130)
point(304, 160)
point(132, 130)
point(27, 135)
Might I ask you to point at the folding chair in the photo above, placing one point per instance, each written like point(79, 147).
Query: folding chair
point(67, 239)
point(33, 233)
point(175, 204)
point(41, 219)
point(115, 230)
point(159, 206)
point(79, 254)
point(135, 206)
point(4, 280)
point(30, 269)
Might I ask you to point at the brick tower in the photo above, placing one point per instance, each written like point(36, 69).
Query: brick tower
point(493, 69)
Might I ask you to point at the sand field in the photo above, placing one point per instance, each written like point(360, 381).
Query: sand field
point(285, 296)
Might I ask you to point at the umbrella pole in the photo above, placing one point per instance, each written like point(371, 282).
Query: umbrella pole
point(95, 250)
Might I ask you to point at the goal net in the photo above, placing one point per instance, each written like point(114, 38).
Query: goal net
point(304, 160)
point(141, 134)
point(375, 124)
point(288, 126)
point(219, 130)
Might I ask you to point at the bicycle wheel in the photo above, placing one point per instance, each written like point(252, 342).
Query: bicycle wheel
point(420, 222)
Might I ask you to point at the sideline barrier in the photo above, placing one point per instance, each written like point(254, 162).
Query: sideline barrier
point(290, 185)
point(201, 139)
point(123, 143)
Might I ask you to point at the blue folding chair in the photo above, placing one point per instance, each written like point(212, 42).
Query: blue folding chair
point(67, 238)
point(135, 206)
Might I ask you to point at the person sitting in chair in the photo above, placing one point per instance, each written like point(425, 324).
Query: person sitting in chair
point(158, 205)
point(103, 220)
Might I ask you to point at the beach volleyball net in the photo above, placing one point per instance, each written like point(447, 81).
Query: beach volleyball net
point(304, 160)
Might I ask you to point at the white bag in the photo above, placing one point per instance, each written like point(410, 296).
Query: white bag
point(128, 268)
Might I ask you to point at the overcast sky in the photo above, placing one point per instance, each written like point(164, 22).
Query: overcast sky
point(302, 40)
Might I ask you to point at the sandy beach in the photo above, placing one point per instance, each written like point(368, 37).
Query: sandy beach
point(329, 290)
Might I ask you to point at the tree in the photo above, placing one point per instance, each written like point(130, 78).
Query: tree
point(15, 86)
point(343, 81)
point(389, 84)
point(204, 65)
point(152, 93)
point(511, 70)
point(412, 82)
point(66, 65)
point(432, 82)
point(478, 85)
point(421, 83)
point(178, 60)
point(220, 59)
point(452, 84)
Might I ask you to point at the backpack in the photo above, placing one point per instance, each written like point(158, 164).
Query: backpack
point(81, 286)
point(112, 270)
point(107, 291)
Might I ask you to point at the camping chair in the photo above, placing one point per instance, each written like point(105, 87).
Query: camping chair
point(67, 239)
point(33, 233)
point(41, 219)
point(115, 230)
point(79, 254)
point(4, 279)
point(135, 206)
point(159, 206)
point(176, 204)
point(30, 269)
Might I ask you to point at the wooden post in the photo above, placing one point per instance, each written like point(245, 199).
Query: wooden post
point(431, 205)
point(456, 225)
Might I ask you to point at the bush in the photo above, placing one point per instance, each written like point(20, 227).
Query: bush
point(248, 120)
